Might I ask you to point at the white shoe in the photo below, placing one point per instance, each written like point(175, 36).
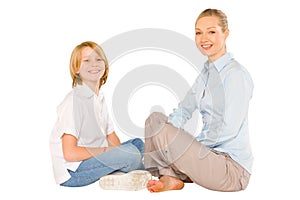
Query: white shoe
point(134, 180)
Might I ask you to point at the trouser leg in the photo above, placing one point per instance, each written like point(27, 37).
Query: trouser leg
point(176, 153)
point(125, 158)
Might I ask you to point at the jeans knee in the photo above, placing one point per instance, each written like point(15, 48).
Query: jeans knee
point(135, 157)
point(139, 144)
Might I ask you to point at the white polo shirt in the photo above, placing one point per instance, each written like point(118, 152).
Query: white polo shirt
point(84, 115)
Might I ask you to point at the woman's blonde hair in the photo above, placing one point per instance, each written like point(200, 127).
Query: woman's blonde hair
point(217, 13)
point(75, 62)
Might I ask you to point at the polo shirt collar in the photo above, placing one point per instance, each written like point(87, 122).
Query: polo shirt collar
point(84, 91)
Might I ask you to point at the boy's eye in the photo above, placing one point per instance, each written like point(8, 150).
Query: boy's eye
point(198, 33)
point(212, 32)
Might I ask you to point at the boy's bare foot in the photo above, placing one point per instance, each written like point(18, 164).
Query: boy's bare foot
point(165, 183)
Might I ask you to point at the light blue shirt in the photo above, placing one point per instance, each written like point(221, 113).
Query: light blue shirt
point(221, 93)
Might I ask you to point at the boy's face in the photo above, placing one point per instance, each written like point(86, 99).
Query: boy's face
point(92, 66)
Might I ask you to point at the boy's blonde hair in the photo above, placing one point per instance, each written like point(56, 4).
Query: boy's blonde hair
point(75, 62)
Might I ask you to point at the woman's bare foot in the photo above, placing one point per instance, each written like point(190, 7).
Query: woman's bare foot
point(188, 180)
point(165, 183)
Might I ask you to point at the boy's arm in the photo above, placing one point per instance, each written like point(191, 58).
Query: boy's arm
point(74, 153)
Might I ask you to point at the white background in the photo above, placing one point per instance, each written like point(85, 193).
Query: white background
point(36, 41)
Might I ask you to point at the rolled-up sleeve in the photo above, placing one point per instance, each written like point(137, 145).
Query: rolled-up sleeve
point(188, 105)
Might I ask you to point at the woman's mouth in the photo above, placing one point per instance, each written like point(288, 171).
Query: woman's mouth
point(206, 46)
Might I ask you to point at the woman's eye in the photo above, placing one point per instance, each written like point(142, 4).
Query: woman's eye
point(212, 32)
point(86, 60)
point(198, 33)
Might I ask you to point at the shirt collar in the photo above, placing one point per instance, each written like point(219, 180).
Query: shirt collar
point(220, 63)
point(84, 90)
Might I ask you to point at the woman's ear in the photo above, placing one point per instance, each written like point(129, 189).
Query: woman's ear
point(226, 33)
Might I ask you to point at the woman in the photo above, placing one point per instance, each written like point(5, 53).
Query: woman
point(220, 157)
point(83, 144)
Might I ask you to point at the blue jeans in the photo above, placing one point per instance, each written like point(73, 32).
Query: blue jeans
point(125, 158)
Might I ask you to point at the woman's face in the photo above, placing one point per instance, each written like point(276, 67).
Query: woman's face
point(92, 66)
point(209, 37)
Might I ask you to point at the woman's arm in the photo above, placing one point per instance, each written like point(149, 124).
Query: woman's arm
point(188, 105)
point(73, 153)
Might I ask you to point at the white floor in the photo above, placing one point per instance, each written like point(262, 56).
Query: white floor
point(191, 190)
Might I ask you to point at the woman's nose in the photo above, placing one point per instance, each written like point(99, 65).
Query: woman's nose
point(204, 37)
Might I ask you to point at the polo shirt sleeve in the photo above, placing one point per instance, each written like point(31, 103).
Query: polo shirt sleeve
point(66, 122)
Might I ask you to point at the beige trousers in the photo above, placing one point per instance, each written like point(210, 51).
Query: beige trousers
point(176, 153)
